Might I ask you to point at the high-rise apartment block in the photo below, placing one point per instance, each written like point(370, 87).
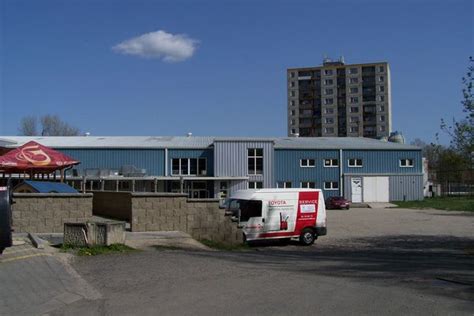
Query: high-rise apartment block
point(336, 99)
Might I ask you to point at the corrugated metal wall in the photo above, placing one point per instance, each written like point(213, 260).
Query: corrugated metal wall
point(150, 159)
point(408, 187)
point(287, 168)
point(382, 161)
point(192, 153)
point(230, 160)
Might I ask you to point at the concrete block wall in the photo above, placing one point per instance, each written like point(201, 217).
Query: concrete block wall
point(47, 212)
point(201, 218)
point(115, 205)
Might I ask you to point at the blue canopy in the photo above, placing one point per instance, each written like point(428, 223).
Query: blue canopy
point(50, 187)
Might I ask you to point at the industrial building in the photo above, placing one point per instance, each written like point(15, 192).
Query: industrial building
point(340, 100)
point(360, 169)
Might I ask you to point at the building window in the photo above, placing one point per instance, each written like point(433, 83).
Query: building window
point(292, 84)
point(354, 90)
point(293, 93)
point(381, 98)
point(354, 129)
point(328, 91)
point(354, 99)
point(381, 88)
point(328, 82)
point(308, 185)
point(255, 185)
point(293, 112)
point(406, 163)
point(255, 161)
point(307, 163)
point(331, 185)
point(382, 118)
point(331, 163)
point(284, 185)
point(188, 166)
point(381, 78)
point(329, 101)
point(354, 109)
point(355, 162)
point(381, 69)
point(292, 102)
point(329, 110)
point(382, 128)
point(353, 71)
point(293, 131)
point(353, 80)
point(382, 108)
point(329, 130)
point(292, 74)
point(223, 189)
point(354, 119)
point(293, 122)
point(328, 72)
point(329, 120)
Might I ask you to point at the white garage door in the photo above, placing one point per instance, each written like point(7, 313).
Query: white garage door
point(375, 189)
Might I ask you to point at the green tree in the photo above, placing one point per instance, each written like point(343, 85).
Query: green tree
point(462, 131)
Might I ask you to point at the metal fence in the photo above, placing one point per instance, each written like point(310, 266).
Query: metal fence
point(459, 182)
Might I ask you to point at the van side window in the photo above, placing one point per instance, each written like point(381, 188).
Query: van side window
point(250, 209)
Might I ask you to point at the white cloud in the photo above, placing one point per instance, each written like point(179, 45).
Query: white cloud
point(159, 44)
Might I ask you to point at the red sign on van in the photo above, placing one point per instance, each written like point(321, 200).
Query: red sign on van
point(307, 209)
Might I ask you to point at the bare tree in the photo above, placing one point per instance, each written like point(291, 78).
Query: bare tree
point(51, 125)
point(28, 126)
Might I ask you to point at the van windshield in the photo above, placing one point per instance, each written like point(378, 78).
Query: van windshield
point(248, 208)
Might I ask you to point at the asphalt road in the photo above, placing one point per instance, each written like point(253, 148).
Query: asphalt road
point(379, 262)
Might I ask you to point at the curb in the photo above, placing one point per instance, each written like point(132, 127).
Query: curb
point(36, 241)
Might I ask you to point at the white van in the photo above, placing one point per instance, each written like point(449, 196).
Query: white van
point(279, 213)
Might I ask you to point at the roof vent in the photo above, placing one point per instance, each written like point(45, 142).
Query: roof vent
point(87, 134)
point(189, 134)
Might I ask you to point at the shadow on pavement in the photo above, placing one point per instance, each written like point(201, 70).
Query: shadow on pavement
point(441, 263)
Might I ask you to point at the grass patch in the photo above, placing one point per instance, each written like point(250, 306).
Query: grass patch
point(97, 250)
point(441, 203)
point(223, 246)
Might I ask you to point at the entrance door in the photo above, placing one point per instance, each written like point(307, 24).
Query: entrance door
point(356, 189)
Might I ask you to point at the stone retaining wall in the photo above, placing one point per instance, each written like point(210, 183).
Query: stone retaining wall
point(47, 212)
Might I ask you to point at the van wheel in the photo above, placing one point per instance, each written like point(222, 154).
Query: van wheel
point(307, 237)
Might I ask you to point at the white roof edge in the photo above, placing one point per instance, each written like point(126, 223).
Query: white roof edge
point(203, 142)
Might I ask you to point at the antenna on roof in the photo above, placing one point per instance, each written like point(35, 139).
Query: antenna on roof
point(189, 134)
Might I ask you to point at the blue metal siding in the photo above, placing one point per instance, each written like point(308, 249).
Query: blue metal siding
point(193, 153)
point(287, 168)
point(150, 159)
point(230, 160)
point(382, 161)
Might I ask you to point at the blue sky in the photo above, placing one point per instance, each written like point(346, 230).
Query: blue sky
point(57, 58)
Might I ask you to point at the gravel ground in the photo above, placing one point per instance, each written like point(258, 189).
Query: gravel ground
point(373, 261)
